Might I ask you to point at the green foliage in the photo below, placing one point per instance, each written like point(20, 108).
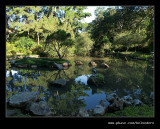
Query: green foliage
point(59, 40)
point(125, 27)
point(24, 44)
point(59, 35)
point(100, 77)
point(28, 52)
point(9, 47)
point(139, 111)
point(83, 44)
point(39, 50)
point(8, 65)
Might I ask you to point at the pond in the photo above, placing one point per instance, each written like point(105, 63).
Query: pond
point(123, 75)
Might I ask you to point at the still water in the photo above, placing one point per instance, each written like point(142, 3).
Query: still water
point(123, 75)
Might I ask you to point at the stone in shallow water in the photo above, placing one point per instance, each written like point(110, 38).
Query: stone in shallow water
point(116, 105)
point(128, 100)
point(137, 93)
point(137, 102)
point(21, 99)
point(99, 110)
point(40, 108)
point(83, 112)
point(112, 97)
point(104, 103)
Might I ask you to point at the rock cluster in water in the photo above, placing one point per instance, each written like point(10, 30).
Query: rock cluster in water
point(114, 103)
point(30, 102)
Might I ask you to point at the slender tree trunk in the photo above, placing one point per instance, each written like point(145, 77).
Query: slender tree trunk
point(38, 38)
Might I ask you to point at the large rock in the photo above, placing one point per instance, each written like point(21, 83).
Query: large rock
point(137, 102)
point(116, 105)
point(99, 110)
point(59, 82)
point(128, 100)
point(104, 65)
point(83, 113)
point(112, 97)
point(65, 64)
point(105, 104)
point(137, 93)
point(78, 63)
point(22, 99)
point(40, 108)
point(92, 63)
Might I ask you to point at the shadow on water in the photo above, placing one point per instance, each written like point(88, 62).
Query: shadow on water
point(122, 75)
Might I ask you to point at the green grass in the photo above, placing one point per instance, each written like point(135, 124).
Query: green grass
point(41, 62)
point(139, 111)
point(137, 54)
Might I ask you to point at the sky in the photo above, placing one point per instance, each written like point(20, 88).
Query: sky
point(91, 10)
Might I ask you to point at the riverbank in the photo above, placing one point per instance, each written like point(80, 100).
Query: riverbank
point(35, 61)
point(134, 55)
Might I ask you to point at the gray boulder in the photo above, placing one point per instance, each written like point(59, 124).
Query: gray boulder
point(104, 65)
point(137, 93)
point(137, 102)
point(92, 63)
point(40, 108)
point(105, 104)
point(112, 97)
point(83, 113)
point(22, 99)
point(116, 105)
point(78, 63)
point(128, 100)
point(99, 110)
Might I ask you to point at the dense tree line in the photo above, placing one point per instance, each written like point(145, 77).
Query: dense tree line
point(58, 30)
point(37, 23)
point(122, 28)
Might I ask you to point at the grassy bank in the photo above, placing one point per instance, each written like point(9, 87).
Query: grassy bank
point(40, 62)
point(139, 111)
point(137, 55)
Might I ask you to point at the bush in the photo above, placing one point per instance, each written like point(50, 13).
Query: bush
point(24, 43)
point(39, 51)
point(9, 47)
point(28, 52)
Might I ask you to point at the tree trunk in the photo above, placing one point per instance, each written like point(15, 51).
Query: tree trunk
point(59, 55)
point(38, 38)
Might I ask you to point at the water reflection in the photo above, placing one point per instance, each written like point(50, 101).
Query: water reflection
point(123, 76)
